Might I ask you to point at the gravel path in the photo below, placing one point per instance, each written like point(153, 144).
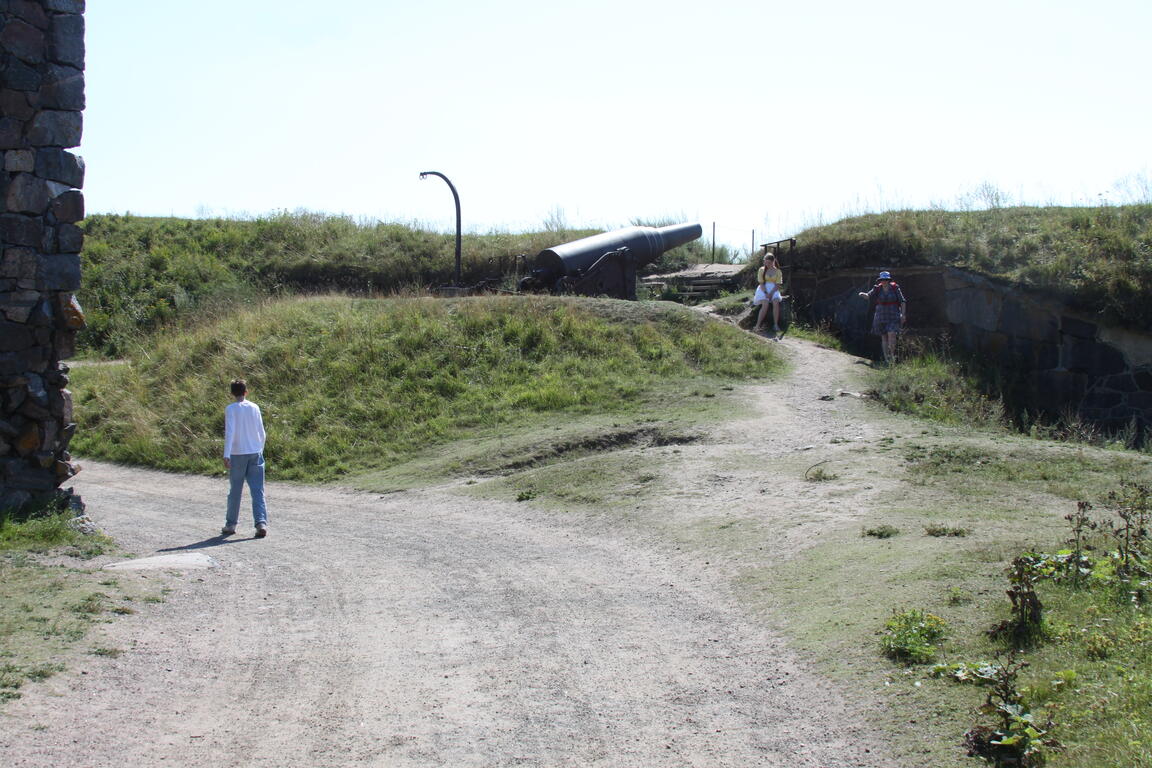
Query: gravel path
point(428, 628)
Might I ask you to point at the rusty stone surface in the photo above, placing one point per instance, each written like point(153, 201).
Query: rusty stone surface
point(28, 441)
point(69, 311)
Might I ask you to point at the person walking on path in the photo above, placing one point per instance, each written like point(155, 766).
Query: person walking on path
point(244, 459)
point(891, 313)
point(768, 282)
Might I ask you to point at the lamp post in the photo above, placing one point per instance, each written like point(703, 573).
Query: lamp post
point(456, 197)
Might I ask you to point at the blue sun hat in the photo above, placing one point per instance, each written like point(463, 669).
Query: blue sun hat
point(884, 276)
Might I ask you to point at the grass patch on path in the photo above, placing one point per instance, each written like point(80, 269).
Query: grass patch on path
point(49, 602)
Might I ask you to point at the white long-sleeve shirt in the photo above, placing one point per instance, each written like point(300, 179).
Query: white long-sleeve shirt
point(243, 429)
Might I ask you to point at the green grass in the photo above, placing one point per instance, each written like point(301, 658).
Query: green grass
point(351, 385)
point(51, 600)
point(1006, 495)
point(1095, 257)
point(144, 273)
point(932, 387)
point(50, 532)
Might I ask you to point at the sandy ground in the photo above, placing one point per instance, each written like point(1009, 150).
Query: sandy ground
point(431, 628)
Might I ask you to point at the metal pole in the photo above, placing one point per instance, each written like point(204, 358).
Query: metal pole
point(713, 242)
point(456, 197)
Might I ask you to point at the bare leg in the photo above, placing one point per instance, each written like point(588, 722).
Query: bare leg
point(888, 341)
point(761, 316)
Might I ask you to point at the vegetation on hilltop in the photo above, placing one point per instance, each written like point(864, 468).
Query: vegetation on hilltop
point(1099, 258)
point(141, 273)
point(357, 384)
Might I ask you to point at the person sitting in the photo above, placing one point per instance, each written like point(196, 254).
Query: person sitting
point(768, 279)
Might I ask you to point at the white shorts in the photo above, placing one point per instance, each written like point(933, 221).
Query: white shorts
point(772, 294)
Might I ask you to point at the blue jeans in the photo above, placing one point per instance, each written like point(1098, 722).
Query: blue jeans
point(246, 467)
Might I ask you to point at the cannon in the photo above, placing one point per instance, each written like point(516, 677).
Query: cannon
point(605, 264)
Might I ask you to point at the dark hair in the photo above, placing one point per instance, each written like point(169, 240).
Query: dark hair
point(239, 387)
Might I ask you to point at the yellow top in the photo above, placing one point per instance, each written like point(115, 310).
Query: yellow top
point(769, 275)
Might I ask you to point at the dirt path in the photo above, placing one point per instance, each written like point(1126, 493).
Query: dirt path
point(428, 628)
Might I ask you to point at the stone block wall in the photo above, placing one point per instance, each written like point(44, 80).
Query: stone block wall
point(1056, 359)
point(1066, 359)
point(41, 104)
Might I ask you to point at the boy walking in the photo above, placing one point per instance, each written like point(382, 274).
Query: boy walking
point(244, 459)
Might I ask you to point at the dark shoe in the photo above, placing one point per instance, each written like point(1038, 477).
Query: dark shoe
point(261, 531)
point(226, 531)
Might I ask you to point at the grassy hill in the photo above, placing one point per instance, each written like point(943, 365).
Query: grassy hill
point(1098, 258)
point(357, 384)
point(141, 273)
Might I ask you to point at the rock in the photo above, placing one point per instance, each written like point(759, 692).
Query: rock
point(23, 41)
point(17, 229)
point(28, 441)
point(66, 40)
point(60, 165)
point(65, 6)
point(56, 128)
point(69, 311)
point(18, 305)
point(69, 206)
point(27, 194)
point(30, 11)
point(15, 104)
point(13, 498)
point(15, 337)
point(22, 77)
point(58, 272)
point(70, 239)
point(20, 161)
point(11, 133)
point(63, 88)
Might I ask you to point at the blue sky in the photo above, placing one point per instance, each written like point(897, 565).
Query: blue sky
point(766, 116)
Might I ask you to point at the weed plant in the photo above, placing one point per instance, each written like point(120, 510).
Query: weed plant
point(356, 384)
point(909, 636)
point(881, 531)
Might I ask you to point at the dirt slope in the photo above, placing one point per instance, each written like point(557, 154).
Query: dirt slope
point(432, 628)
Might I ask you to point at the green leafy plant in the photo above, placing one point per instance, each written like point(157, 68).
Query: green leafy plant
point(1017, 739)
point(1026, 624)
point(909, 635)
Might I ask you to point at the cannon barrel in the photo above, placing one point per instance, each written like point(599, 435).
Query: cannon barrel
point(645, 244)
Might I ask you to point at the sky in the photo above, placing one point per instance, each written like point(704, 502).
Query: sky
point(755, 118)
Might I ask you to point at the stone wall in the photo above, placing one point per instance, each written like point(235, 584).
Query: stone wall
point(1055, 359)
point(41, 103)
